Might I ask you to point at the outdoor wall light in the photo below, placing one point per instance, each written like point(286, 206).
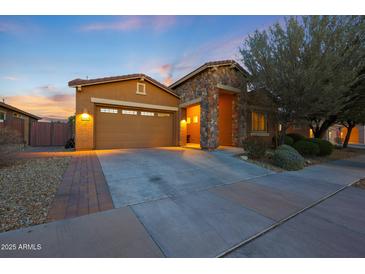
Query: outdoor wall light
point(85, 116)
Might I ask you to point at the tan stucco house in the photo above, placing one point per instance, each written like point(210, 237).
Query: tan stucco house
point(17, 119)
point(209, 107)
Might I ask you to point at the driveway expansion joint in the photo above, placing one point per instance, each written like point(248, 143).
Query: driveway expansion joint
point(277, 224)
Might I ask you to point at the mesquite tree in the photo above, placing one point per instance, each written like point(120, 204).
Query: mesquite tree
point(307, 65)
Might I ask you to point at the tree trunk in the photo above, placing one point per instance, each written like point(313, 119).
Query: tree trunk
point(348, 135)
point(319, 132)
point(282, 134)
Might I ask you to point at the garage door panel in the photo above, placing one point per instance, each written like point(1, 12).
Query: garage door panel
point(117, 130)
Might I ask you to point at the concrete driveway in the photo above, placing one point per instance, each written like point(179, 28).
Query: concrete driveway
point(307, 213)
point(141, 175)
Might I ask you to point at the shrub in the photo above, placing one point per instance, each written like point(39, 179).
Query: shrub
point(296, 137)
point(287, 140)
point(287, 158)
point(286, 147)
point(325, 147)
point(306, 148)
point(255, 149)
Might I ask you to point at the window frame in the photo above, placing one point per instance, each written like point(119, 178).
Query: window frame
point(144, 89)
point(129, 112)
point(163, 114)
point(150, 113)
point(113, 110)
point(3, 120)
point(259, 113)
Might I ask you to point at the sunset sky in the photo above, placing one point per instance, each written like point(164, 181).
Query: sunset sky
point(40, 54)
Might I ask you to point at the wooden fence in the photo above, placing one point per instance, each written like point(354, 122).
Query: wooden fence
point(49, 134)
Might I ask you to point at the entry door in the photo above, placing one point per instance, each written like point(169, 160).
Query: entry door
point(225, 119)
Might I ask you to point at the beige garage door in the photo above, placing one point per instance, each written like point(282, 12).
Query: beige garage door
point(131, 128)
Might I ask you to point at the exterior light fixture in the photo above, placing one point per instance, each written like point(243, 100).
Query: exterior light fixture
point(85, 116)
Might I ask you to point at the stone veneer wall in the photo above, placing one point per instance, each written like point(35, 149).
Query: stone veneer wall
point(204, 85)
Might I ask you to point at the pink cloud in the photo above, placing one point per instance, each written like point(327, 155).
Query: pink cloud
point(219, 49)
point(128, 23)
point(59, 106)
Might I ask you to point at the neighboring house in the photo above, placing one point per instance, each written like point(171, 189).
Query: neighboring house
point(337, 133)
point(209, 106)
point(17, 119)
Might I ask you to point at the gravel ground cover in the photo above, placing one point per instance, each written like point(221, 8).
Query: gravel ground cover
point(27, 189)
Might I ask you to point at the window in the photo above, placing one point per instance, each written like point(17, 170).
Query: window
point(259, 121)
point(17, 115)
point(2, 116)
point(108, 110)
point(163, 115)
point(195, 119)
point(188, 120)
point(141, 89)
point(129, 112)
point(147, 113)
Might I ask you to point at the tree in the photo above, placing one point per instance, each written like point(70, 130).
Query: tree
point(340, 56)
point(71, 121)
point(354, 111)
point(305, 67)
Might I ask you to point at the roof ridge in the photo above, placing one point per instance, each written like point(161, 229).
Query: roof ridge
point(205, 66)
point(84, 82)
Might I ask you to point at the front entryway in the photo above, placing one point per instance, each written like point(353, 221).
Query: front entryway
point(193, 124)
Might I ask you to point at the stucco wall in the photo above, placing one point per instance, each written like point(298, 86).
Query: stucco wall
point(123, 91)
point(205, 86)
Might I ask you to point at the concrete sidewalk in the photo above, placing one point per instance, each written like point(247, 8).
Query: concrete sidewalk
point(207, 223)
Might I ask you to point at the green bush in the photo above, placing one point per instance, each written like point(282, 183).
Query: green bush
point(307, 148)
point(287, 140)
point(325, 147)
point(255, 149)
point(296, 137)
point(288, 158)
point(287, 147)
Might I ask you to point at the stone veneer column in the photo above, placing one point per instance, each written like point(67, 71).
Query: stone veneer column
point(204, 116)
point(235, 120)
point(242, 118)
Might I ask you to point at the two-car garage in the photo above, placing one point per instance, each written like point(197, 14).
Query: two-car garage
point(133, 128)
point(130, 111)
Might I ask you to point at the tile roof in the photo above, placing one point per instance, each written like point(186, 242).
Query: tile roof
point(87, 82)
point(206, 66)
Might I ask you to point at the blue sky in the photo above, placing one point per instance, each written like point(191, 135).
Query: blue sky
point(40, 54)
